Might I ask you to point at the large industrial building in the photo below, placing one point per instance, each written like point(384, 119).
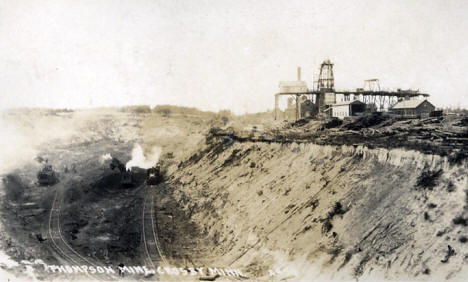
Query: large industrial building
point(324, 100)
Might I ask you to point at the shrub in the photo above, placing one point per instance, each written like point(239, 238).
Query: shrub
point(428, 179)
point(459, 220)
point(333, 123)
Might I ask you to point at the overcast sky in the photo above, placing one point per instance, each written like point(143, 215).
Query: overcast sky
point(224, 54)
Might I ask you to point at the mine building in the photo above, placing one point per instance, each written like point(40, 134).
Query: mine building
point(293, 86)
point(347, 109)
point(323, 100)
point(307, 108)
point(413, 108)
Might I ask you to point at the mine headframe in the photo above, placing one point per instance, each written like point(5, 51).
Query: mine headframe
point(326, 79)
point(325, 86)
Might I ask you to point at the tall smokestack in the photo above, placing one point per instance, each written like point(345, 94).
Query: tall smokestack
point(298, 73)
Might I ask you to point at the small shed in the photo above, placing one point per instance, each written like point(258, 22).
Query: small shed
point(347, 108)
point(413, 108)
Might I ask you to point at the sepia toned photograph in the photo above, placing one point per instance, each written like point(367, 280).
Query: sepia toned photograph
point(218, 140)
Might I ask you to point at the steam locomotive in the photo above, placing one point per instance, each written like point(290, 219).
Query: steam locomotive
point(154, 175)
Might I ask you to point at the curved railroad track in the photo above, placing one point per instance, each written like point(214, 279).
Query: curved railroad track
point(63, 249)
point(152, 247)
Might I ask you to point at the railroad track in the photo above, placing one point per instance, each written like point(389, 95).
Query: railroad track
point(64, 250)
point(152, 247)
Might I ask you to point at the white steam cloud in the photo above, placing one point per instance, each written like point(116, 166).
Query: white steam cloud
point(16, 149)
point(142, 161)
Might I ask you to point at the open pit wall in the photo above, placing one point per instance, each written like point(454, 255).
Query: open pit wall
point(326, 212)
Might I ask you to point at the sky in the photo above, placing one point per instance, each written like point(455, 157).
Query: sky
point(220, 54)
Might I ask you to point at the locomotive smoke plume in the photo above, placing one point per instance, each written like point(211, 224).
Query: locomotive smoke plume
point(142, 161)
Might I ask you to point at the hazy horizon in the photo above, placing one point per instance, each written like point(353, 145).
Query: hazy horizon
point(216, 55)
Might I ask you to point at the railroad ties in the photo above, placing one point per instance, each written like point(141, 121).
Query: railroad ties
point(75, 261)
point(152, 246)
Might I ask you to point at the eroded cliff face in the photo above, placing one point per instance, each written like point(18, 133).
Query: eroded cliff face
point(306, 211)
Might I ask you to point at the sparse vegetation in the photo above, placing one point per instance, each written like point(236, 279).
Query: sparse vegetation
point(326, 226)
point(137, 109)
point(335, 122)
point(367, 121)
point(440, 233)
point(189, 112)
point(450, 186)
point(459, 220)
point(14, 187)
point(337, 209)
point(428, 179)
point(359, 270)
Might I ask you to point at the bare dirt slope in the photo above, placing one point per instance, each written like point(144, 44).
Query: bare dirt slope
point(302, 201)
point(308, 211)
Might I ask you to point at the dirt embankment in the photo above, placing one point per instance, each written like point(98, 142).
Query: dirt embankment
point(326, 212)
point(444, 136)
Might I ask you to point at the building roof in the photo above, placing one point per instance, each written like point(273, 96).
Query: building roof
point(293, 87)
point(344, 103)
point(295, 83)
point(409, 104)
